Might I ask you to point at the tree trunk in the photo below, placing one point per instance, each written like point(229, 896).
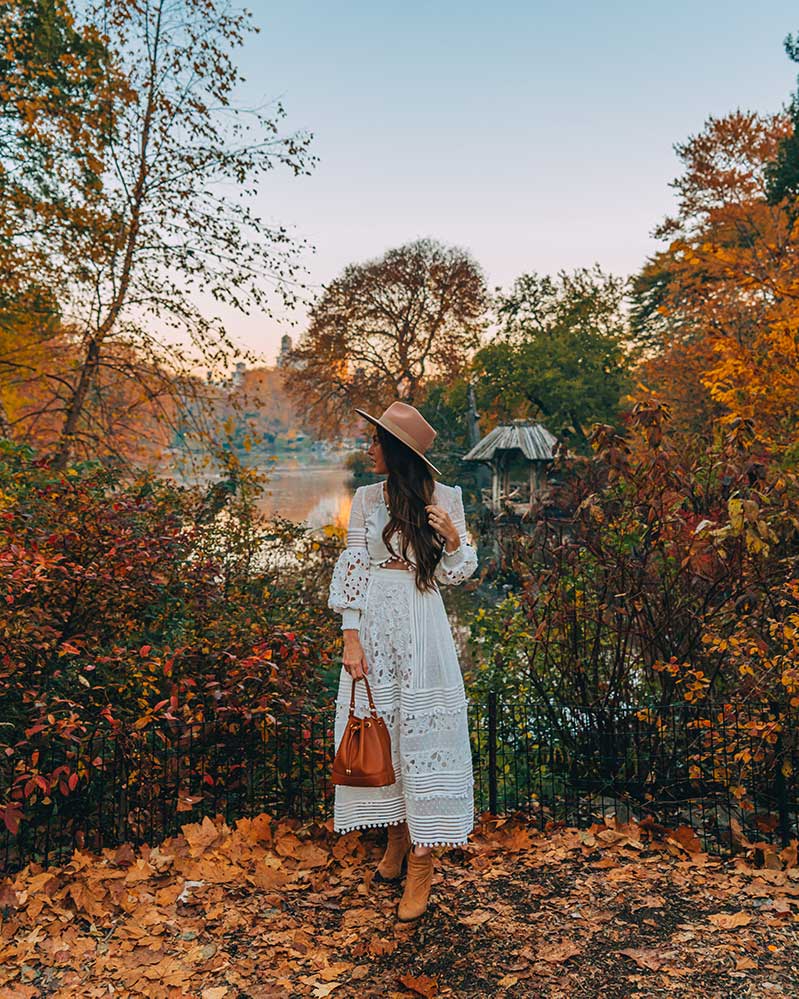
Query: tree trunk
point(483, 473)
point(88, 372)
point(5, 426)
point(104, 328)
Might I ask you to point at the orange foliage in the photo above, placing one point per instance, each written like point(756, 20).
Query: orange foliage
point(724, 296)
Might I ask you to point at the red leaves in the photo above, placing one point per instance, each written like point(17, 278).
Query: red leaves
point(11, 814)
point(35, 783)
point(96, 575)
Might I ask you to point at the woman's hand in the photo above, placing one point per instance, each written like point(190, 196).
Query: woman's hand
point(441, 522)
point(354, 659)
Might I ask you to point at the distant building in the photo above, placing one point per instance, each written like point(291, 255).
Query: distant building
point(238, 374)
point(286, 347)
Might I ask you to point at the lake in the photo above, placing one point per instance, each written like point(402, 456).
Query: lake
point(315, 495)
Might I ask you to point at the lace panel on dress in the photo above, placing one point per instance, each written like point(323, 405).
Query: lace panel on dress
point(350, 580)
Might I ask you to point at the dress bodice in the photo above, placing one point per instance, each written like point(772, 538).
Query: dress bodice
point(375, 521)
point(366, 549)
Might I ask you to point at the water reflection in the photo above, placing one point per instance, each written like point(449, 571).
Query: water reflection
point(316, 496)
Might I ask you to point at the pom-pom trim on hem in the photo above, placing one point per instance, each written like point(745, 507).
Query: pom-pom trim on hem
point(449, 842)
point(375, 825)
point(367, 825)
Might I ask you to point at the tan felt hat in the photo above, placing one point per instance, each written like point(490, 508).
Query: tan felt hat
point(408, 425)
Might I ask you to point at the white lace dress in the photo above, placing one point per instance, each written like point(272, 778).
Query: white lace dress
point(414, 676)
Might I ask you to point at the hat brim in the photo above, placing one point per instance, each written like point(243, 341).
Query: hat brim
point(379, 423)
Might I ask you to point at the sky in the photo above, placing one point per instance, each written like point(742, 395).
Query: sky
point(538, 135)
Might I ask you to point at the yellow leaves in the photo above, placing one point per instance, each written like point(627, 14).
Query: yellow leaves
point(745, 519)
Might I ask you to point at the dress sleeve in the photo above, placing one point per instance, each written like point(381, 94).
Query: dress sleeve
point(457, 566)
point(351, 573)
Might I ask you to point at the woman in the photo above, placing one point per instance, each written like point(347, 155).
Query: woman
point(406, 536)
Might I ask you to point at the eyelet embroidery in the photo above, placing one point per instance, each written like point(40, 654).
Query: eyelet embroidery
point(422, 703)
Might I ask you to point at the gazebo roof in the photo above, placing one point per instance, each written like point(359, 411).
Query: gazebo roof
point(534, 441)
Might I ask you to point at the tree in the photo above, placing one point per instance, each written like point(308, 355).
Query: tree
point(383, 327)
point(55, 82)
point(158, 221)
point(719, 307)
point(782, 174)
point(561, 354)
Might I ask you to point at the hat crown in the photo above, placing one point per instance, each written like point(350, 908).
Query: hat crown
point(407, 424)
point(410, 423)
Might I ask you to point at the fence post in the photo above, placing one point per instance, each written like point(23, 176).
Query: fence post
point(492, 752)
point(781, 790)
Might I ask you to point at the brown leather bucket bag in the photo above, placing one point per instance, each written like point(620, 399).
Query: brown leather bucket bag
point(363, 757)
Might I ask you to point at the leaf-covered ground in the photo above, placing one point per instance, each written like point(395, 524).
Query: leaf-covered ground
point(277, 909)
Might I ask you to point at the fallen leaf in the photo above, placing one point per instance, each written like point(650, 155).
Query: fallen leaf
point(649, 902)
point(322, 990)
point(648, 958)
point(730, 920)
point(558, 953)
point(333, 971)
point(380, 946)
point(423, 985)
point(476, 918)
point(686, 837)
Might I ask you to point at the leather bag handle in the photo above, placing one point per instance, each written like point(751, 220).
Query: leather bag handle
point(372, 707)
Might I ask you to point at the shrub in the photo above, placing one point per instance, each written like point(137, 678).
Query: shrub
point(130, 606)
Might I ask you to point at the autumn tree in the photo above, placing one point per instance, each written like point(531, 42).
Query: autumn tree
point(384, 327)
point(561, 354)
point(55, 82)
point(719, 307)
point(158, 223)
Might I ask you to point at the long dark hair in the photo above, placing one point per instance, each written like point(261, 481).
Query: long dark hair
point(410, 489)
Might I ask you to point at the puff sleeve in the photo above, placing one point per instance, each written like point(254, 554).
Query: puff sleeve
point(351, 573)
point(457, 566)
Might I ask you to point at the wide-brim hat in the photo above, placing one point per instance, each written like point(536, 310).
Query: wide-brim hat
point(409, 426)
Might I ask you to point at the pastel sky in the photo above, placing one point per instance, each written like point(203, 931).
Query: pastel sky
point(537, 135)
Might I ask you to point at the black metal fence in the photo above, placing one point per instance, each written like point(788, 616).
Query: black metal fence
point(727, 771)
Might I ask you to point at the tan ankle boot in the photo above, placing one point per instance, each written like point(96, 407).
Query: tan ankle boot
point(417, 887)
point(399, 841)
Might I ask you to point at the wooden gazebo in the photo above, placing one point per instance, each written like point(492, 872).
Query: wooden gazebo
point(518, 455)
